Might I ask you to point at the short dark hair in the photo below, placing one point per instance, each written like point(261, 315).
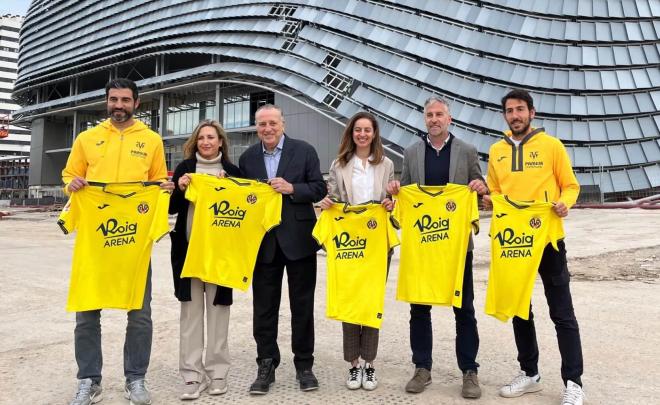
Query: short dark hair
point(518, 94)
point(122, 83)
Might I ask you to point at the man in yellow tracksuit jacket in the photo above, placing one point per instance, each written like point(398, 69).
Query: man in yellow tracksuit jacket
point(528, 164)
point(120, 149)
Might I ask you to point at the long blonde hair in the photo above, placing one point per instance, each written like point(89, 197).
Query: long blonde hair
point(190, 147)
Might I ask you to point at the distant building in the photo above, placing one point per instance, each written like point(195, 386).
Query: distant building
point(14, 140)
point(18, 141)
point(591, 66)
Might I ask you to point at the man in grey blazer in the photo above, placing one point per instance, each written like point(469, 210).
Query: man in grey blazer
point(439, 159)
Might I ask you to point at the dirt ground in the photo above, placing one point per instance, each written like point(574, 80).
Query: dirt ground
point(614, 256)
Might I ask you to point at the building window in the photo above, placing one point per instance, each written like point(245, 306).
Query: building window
point(332, 60)
point(291, 28)
point(337, 82)
point(333, 99)
point(288, 45)
point(236, 112)
point(282, 10)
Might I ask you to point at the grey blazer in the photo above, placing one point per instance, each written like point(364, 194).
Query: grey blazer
point(463, 165)
point(340, 180)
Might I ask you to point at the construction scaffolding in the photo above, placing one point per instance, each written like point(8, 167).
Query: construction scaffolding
point(14, 172)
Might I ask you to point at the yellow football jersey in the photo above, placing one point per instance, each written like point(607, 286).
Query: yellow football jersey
point(435, 223)
point(357, 240)
point(231, 217)
point(519, 232)
point(116, 227)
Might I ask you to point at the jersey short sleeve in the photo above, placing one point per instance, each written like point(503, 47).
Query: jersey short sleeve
point(272, 211)
point(192, 190)
point(160, 225)
point(392, 236)
point(321, 229)
point(68, 219)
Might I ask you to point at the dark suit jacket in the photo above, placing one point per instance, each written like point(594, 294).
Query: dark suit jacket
point(299, 165)
point(179, 205)
point(463, 165)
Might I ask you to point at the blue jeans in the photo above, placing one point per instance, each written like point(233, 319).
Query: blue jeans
point(137, 344)
point(467, 335)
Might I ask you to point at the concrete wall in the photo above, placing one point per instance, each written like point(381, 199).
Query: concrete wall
point(46, 168)
point(304, 123)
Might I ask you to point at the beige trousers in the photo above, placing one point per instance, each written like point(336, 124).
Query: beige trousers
point(191, 346)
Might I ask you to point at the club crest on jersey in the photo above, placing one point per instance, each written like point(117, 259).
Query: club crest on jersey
point(349, 248)
point(451, 206)
point(432, 230)
point(226, 216)
point(535, 222)
point(251, 198)
point(143, 207)
point(514, 246)
point(116, 233)
point(372, 223)
point(533, 163)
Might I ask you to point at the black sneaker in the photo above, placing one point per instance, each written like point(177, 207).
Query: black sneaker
point(307, 379)
point(265, 377)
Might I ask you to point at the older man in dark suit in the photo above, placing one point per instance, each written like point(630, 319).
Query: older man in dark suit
point(292, 168)
point(439, 159)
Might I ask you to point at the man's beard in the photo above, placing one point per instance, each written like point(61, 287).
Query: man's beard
point(118, 117)
point(523, 131)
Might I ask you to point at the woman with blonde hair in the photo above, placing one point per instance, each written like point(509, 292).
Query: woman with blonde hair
point(205, 151)
point(360, 174)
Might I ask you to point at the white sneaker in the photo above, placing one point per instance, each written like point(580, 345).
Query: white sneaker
point(193, 389)
point(573, 394)
point(521, 384)
point(354, 378)
point(369, 380)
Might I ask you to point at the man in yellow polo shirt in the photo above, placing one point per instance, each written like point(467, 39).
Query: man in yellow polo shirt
point(529, 164)
point(120, 149)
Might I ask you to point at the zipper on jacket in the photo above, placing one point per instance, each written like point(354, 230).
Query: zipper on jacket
point(121, 146)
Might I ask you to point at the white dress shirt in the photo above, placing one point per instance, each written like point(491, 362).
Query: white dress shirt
point(362, 181)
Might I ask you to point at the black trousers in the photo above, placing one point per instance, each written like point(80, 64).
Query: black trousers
point(554, 274)
point(267, 291)
point(467, 335)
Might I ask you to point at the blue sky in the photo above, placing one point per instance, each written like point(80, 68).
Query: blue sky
point(14, 6)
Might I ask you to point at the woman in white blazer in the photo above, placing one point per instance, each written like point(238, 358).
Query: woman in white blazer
point(360, 174)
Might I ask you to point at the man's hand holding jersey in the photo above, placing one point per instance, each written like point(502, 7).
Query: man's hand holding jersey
point(76, 184)
point(281, 186)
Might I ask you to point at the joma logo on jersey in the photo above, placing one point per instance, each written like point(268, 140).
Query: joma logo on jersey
point(227, 216)
point(513, 245)
point(117, 234)
point(533, 155)
point(432, 230)
point(349, 248)
point(139, 145)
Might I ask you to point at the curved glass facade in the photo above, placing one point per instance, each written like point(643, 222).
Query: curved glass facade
point(593, 68)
